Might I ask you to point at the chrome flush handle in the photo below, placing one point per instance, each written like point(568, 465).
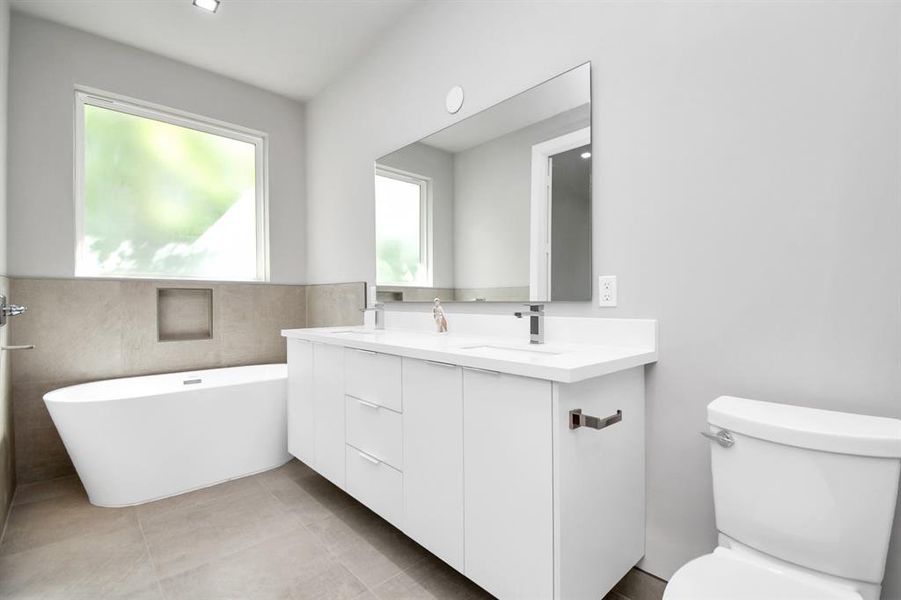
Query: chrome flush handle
point(721, 437)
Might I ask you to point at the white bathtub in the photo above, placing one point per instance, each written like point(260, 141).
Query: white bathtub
point(139, 439)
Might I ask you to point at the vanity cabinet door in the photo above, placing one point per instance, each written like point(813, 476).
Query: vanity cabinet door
point(433, 458)
point(508, 485)
point(328, 410)
point(300, 400)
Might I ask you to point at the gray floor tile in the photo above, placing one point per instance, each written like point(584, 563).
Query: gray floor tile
point(431, 579)
point(70, 486)
point(38, 523)
point(183, 538)
point(285, 534)
point(379, 553)
point(327, 580)
point(229, 489)
point(276, 568)
point(290, 492)
point(109, 565)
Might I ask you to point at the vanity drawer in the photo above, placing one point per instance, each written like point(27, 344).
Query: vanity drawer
point(376, 484)
point(373, 377)
point(376, 430)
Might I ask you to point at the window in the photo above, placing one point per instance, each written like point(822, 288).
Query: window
point(402, 228)
point(162, 194)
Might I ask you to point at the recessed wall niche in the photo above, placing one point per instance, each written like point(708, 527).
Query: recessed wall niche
point(184, 314)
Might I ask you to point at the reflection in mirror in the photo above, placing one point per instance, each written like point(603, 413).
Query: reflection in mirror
point(496, 207)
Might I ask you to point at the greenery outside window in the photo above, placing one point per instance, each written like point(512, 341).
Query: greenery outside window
point(403, 224)
point(164, 194)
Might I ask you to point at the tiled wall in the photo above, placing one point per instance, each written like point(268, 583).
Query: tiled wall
point(86, 330)
point(7, 453)
point(335, 304)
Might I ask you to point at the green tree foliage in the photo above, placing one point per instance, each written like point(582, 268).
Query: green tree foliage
point(150, 184)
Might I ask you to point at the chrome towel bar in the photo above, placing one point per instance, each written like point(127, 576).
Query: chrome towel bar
point(577, 419)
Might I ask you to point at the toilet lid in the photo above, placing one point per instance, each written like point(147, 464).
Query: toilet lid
point(724, 576)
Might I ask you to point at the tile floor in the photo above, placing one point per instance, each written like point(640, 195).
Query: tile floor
point(283, 534)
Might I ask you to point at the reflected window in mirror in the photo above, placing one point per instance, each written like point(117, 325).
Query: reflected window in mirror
point(403, 228)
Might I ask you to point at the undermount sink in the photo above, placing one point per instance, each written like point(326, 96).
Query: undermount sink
point(356, 331)
point(492, 350)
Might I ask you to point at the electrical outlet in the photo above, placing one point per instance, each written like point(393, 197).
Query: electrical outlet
point(607, 290)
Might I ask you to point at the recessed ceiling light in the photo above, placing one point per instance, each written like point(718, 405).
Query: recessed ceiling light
point(210, 5)
point(586, 155)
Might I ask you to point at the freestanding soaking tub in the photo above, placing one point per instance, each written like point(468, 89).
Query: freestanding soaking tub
point(139, 439)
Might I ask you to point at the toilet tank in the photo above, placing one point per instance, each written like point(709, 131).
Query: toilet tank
point(813, 487)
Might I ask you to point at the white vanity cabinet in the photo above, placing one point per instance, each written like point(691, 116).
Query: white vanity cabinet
point(482, 467)
point(301, 423)
point(433, 458)
point(509, 484)
point(316, 407)
point(374, 432)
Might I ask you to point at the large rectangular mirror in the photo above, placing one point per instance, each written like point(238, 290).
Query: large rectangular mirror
point(494, 208)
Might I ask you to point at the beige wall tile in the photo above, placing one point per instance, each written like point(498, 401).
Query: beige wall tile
point(184, 313)
point(252, 318)
point(335, 304)
point(142, 352)
point(87, 330)
point(7, 441)
point(75, 326)
point(40, 453)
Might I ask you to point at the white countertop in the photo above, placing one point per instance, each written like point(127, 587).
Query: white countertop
point(555, 361)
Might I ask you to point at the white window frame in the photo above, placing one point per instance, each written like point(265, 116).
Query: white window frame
point(93, 97)
point(425, 220)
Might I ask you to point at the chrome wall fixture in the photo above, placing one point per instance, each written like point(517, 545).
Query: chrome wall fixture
point(577, 419)
point(9, 310)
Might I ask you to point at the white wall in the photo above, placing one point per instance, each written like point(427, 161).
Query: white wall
point(48, 60)
point(492, 204)
point(746, 193)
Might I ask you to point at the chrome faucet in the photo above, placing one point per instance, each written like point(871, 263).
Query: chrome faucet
point(379, 309)
point(536, 322)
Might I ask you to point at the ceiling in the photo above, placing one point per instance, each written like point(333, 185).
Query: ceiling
point(291, 47)
point(565, 92)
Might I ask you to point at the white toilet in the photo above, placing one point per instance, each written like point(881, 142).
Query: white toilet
point(804, 504)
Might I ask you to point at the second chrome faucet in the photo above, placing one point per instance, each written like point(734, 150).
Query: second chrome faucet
point(536, 322)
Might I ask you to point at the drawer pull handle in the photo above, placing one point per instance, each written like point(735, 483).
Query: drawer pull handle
point(577, 419)
point(440, 364)
point(369, 404)
point(365, 351)
point(371, 459)
point(478, 370)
